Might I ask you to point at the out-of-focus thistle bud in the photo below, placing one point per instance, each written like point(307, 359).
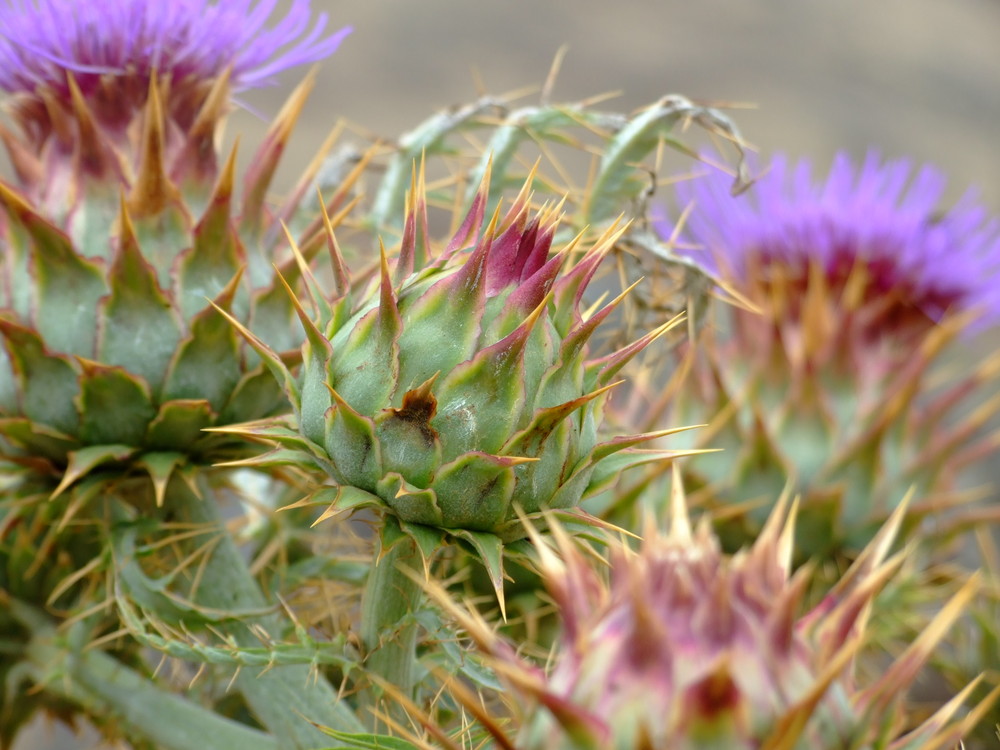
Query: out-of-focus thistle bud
point(835, 380)
point(458, 388)
point(680, 646)
point(122, 226)
point(43, 564)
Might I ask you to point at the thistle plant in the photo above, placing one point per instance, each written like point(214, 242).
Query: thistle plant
point(678, 645)
point(162, 318)
point(838, 380)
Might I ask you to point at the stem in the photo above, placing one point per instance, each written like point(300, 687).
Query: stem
point(389, 598)
point(107, 689)
point(284, 699)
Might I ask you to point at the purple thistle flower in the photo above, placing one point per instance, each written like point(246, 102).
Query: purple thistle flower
point(43, 40)
point(883, 216)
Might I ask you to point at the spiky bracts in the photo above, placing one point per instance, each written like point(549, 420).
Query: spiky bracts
point(859, 286)
point(457, 390)
point(679, 646)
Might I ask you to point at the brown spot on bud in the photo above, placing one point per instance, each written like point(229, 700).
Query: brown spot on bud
point(419, 407)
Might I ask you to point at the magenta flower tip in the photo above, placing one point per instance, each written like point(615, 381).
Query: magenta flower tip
point(43, 40)
point(884, 214)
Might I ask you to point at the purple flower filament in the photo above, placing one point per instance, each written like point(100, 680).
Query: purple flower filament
point(42, 40)
point(882, 217)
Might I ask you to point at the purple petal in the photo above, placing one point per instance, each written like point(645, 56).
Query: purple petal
point(42, 40)
point(883, 213)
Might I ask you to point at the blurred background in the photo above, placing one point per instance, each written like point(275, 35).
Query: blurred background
point(912, 78)
point(917, 78)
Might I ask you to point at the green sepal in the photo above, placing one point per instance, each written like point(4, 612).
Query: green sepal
point(411, 503)
point(529, 441)
point(85, 460)
point(475, 490)
point(314, 394)
point(68, 286)
point(427, 538)
point(114, 406)
point(569, 492)
point(437, 336)
point(760, 467)
point(49, 383)
point(271, 359)
point(256, 395)
point(599, 372)
point(339, 499)
point(207, 363)
point(205, 269)
point(163, 237)
point(573, 346)
point(489, 550)
point(272, 319)
point(443, 323)
point(614, 445)
point(561, 383)
point(365, 367)
point(351, 445)
point(281, 457)
point(568, 290)
point(391, 535)
point(541, 478)
point(481, 400)
point(160, 467)
point(179, 424)
point(38, 439)
point(137, 327)
point(607, 471)
point(276, 430)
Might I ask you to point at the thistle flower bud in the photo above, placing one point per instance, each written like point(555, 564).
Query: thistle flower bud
point(458, 388)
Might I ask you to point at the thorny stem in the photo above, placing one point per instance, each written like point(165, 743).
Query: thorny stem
point(389, 637)
point(284, 699)
point(107, 689)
